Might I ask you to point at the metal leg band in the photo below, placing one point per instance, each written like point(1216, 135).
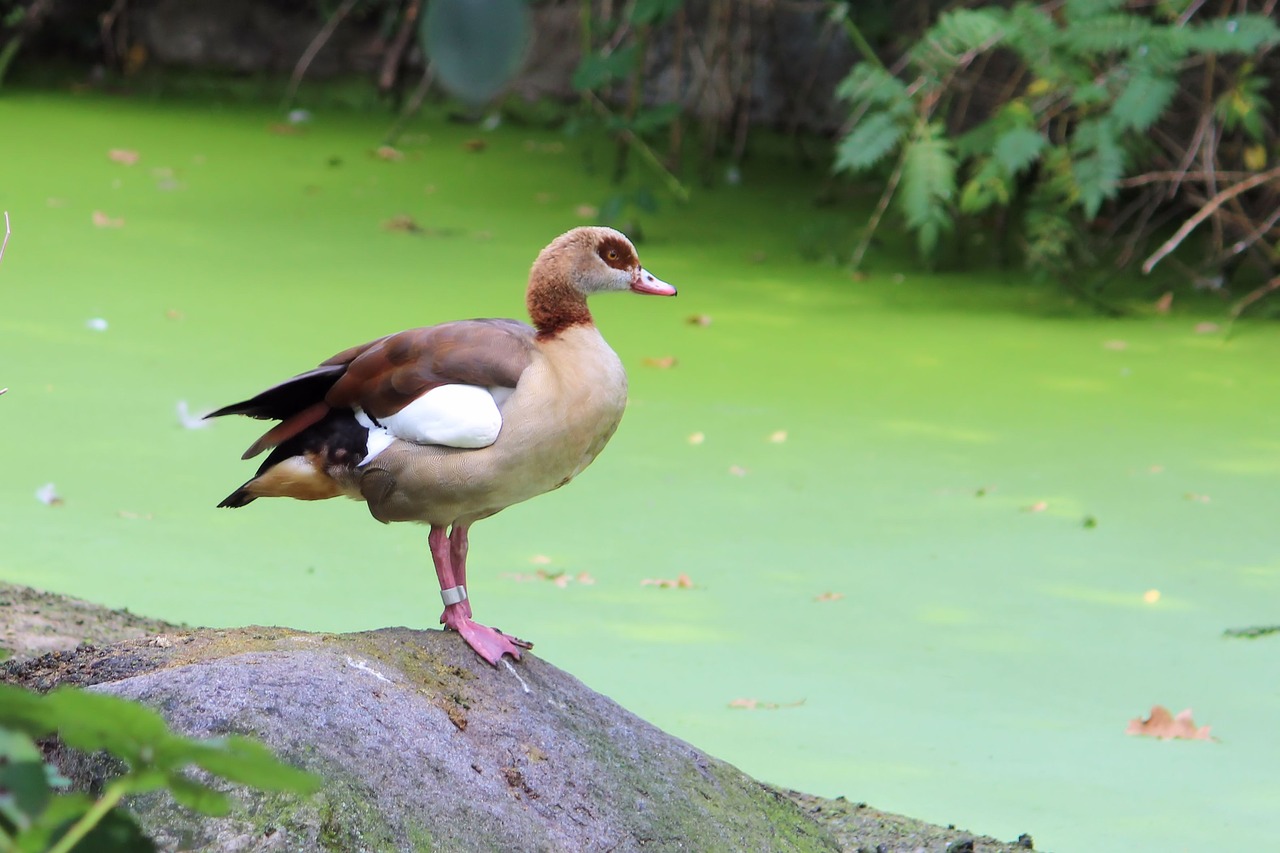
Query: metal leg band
point(453, 595)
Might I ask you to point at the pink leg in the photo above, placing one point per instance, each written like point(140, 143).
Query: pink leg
point(458, 559)
point(489, 643)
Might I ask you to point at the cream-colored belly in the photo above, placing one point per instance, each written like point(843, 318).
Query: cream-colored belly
point(565, 409)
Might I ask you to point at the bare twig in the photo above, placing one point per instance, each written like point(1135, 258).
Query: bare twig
point(322, 38)
point(395, 53)
point(673, 183)
point(1254, 296)
point(1178, 176)
point(1206, 211)
point(412, 107)
point(881, 206)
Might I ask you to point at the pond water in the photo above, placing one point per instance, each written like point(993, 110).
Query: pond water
point(989, 484)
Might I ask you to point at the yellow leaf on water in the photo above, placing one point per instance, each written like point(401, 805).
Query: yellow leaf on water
point(829, 596)
point(778, 437)
point(127, 156)
point(697, 438)
point(664, 363)
point(1038, 506)
point(1151, 596)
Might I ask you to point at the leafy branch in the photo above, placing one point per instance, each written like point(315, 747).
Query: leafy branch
point(36, 814)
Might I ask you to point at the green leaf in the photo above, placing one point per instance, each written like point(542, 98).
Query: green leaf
point(653, 11)
point(928, 184)
point(24, 780)
point(93, 721)
point(1143, 101)
point(23, 710)
point(199, 798)
point(989, 185)
point(1237, 34)
point(1018, 147)
point(1083, 10)
point(875, 136)
point(597, 69)
point(654, 118)
point(870, 85)
point(476, 46)
point(239, 759)
point(1107, 34)
point(1098, 164)
point(117, 832)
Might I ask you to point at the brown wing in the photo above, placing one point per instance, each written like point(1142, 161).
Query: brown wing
point(386, 375)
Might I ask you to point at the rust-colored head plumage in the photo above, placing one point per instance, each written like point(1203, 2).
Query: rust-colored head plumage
point(578, 263)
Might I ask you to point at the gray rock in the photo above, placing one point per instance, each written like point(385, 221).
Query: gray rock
point(422, 746)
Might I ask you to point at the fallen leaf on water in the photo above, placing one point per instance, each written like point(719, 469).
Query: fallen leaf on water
point(586, 211)
point(585, 578)
point(48, 495)
point(101, 220)
point(829, 596)
point(540, 560)
point(560, 579)
point(778, 437)
point(1151, 596)
point(1164, 303)
point(1038, 506)
point(1156, 469)
point(127, 156)
point(757, 705)
point(697, 438)
point(698, 320)
point(737, 471)
point(664, 363)
point(1115, 345)
point(386, 152)
point(1198, 498)
point(403, 223)
point(174, 314)
point(683, 581)
point(475, 146)
point(1166, 726)
point(1205, 328)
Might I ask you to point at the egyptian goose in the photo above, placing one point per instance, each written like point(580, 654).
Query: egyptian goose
point(449, 424)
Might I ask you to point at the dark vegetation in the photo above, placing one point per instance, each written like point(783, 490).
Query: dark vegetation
point(1096, 136)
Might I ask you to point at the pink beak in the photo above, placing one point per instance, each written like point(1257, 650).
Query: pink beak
point(645, 282)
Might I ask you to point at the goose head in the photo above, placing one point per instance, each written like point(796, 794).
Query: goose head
point(579, 263)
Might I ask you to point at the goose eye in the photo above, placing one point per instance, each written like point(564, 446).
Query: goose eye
point(612, 254)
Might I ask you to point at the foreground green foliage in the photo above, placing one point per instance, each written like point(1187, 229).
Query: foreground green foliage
point(36, 814)
point(1039, 115)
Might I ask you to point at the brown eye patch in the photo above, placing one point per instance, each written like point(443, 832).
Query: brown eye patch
point(616, 253)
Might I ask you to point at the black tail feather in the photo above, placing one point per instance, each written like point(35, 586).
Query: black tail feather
point(240, 497)
point(289, 397)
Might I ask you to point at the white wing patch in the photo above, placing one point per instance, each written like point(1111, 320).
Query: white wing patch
point(464, 416)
